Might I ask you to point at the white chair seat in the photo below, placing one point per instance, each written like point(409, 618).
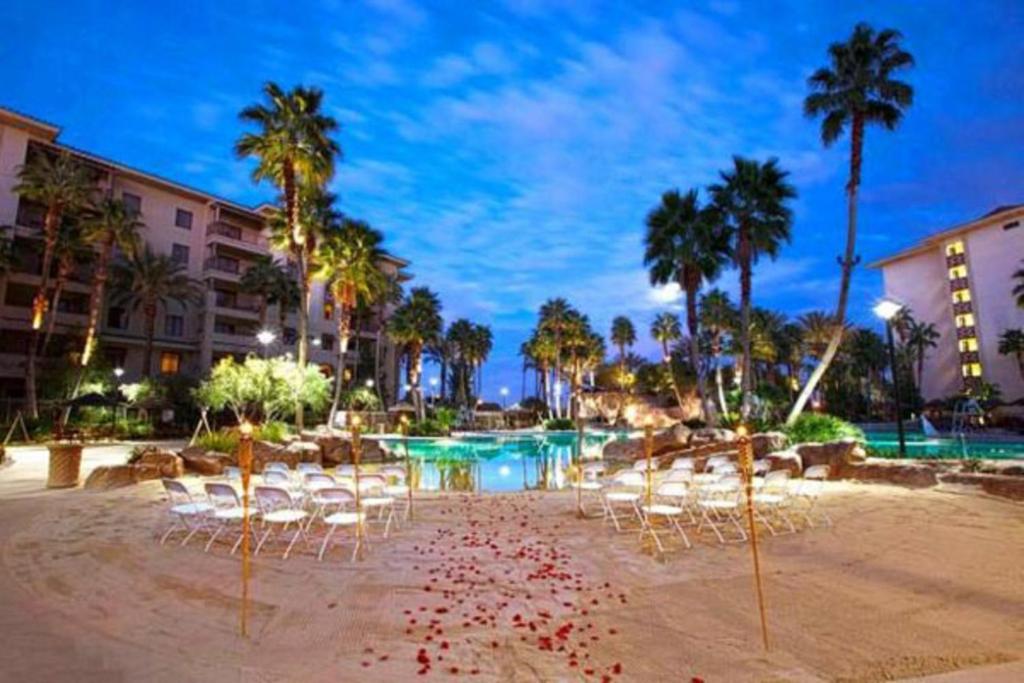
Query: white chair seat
point(396, 490)
point(719, 487)
point(376, 502)
point(285, 516)
point(232, 513)
point(718, 504)
point(344, 518)
point(191, 508)
point(317, 485)
point(591, 486)
point(660, 509)
point(622, 496)
point(768, 498)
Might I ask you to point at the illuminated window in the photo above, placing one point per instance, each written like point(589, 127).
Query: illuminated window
point(965, 320)
point(957, 272)
point(968, 344)
point(954, 248)
point(170, 363)
point(328, 310)
point(971, 369)
point(962, 296)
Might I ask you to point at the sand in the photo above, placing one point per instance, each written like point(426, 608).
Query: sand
point(513, 588)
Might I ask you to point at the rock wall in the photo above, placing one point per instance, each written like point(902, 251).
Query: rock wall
point(606, 406)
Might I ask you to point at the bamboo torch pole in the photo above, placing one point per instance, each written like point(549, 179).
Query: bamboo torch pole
point(355, 423)
point(579, 462)
point(245, 467)
point(746, 454)
point(404, 425)
point(648, 534)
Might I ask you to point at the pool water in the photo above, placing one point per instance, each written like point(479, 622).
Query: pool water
point(499, 463)
point(919, 446)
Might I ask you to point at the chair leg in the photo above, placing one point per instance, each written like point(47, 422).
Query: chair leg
point(170, 530)
point(263, 539)
point(295, 537)
point(213, 537)
point(238, 542)
point(686, 539)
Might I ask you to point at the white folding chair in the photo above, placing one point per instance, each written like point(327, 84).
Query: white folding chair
point(761, 467)
point(397, 487)
point(660, 509)
point(345, 471)
point(304, 468)
point(624, 490)
point(719, 505)
point(682, 493)
point(808, 493)
point(187, 514)
point(227, 511)
point(685, 463)
point(277, 466)
point(641, 464)
point(342, 501)
point(771, 501)
point(279, 509)
point(232, 473)
point(714, 461)
point(372, 498)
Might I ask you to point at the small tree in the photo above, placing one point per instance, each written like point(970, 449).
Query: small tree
point(263, 388)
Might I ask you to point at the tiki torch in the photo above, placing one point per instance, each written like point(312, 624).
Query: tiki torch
point(356, 452)
point(648, 545)
point(404, 427)
point(245, 467)
point(746, 457)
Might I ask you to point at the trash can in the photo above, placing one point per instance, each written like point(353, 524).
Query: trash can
point(65, 465)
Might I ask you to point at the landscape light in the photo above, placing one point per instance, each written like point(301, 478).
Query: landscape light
point(118, 372)
point(887, 309)
point(369, 384)
point(265, 337)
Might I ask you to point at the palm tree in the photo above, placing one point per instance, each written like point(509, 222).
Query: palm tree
point(553, 316)
point(1018, 289)
point(687, 245)
point(415, 323)
point(718, 318)
point(459, 339)
point(666, 330)
point(1011, 343)
point(263, 280)
point(623, 336)
point(348, 259)
point(789, 344)
point(441, 352)
point(481, 345)
point(751, 201)
point(856, 89)
point(817, 329)
point(111, 225)
point(70, 251)
point(148, 281)
point(294, 150)
point(543, 351)
point(63, 186)
point(920, 338)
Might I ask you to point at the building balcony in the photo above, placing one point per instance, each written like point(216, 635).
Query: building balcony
point(969, 357)
point(956, 260)
point(966, 332)
point(959, 284)
point(224, 268)
point(236, 237)
point(962, 307)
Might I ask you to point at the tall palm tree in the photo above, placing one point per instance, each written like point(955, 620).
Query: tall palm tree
point(112, 226)
point(856, 89)
point(817, 329)
point(415, 323)
point(293, 149)
point(543, 351)
point(1011, 343)
point(666, 330)
point(752, 203)
point(789, 344)
point(263, 280)
point(623, 336)
point(70, 251)
point(148, 281)
point(687, 245)
point(63, 186)
point(1018, 289)
point(718, 317)
point(553, 316)
point(481, 345)
point(921, 337)
point(348, 260)
point(441, 352)
point(459, 339)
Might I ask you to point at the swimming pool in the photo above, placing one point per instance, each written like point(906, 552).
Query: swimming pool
point(494, 462)
point(886, 444)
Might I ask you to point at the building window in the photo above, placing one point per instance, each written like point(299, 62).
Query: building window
point(170, 363)
point(174, 326)
point(179, 254)
point(327, 342)
point(965, 320)
point(1011, 226)
point(183, 219)
point(957, 272)
point(968, 344)
point(954, 248)
point(30, 214)
point(115, 356)
point(19, 295)
point(962, 296)
point(290, 336)
point(132, 202)
point(117, 318)
point(223, 328)
point(972, 369)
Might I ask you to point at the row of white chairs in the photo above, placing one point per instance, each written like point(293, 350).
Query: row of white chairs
point(285, 505)
point(711, 499)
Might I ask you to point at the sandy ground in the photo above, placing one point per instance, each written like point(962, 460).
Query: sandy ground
point(511, 588)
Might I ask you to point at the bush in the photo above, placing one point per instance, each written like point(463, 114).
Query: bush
point(360, 398)
point(821, 428)
point(222, 441)
point(274, 432)
point(428, 427)
point(446, 417)
point(559, 424)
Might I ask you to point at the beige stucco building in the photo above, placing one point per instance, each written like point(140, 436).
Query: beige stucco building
point(960, 279)
point(215, 238)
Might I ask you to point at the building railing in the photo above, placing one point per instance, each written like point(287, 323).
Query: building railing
point(966, 332)
point(236, 233)
point(959, 284)
point(962, 307)
point(237, 303)
point(223, 265)
point(970, 357)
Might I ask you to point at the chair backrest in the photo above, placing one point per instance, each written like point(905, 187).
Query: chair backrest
point(714, 461)
point(393, 472)
point(275, 478)
point(732, 481)
point(761, 466)
point(270, 498)
point(232, 472)
point(309, 467)
point(817, 472)
point(177, 492)
point(276, 466)
point(682, 463)
point(673, 489)
point(725, 468)
point(371, 482)
point(318, 479)
point(811, 488)
point(336, 495)
point(641, 464)
point(222, 495)
point(779, 479)
point(593, 470)
point(631, 478)
point(681, 475)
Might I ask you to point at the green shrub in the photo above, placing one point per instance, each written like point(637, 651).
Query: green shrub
point(360, 398)
point(274, 432)
point(134, 428)
point(446, 417)
point(821, 428)
point(428, 427)
point(559, 424)
point(222, 441)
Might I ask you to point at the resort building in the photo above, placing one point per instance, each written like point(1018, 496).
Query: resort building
point(215, 238)
point(960, 280)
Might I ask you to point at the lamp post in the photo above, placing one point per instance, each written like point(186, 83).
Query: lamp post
point(887, 309)
point(746, 458)
point(265, 338)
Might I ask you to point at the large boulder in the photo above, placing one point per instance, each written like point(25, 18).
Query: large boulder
point(710, 435)
point(768, 442)
point(912, 475)
point(835, 454)
point(207, 463)
point(167, 463)
point(334, 450)
point(108, 477)
point(307, 452)
point(788, 460)
point(1002, 485)
point(264, 452)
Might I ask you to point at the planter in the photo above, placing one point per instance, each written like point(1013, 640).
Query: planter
point(65, 465)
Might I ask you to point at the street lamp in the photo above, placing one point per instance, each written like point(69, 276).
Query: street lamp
point(887, 309)
point(369, 384)
point(433, 387)
point(118, 372)
point(504, 396)
point(265, 338)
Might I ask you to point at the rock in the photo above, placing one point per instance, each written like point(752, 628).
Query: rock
point(168, 463)
point(264, 452)
point(711, 435)
point(1013, 468)
point(1004, 486)
point(307, 452)
point(912, 475)
point(207, 463)
point(858, 454)
point(835, 454)
point(108, 477)
point(334, 450)
point(146, 472)
point(768, 442)
point(788, 460)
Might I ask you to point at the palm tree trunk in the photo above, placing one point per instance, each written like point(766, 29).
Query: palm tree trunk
point(558, 373)
point(667, 356)
point(692, 327)
point(339, 377)
point(58, 290)
point(849, 261)
point(415, 359)
point(719, 384)
point(444, 375)
point(99, 284)
point(920, 366)
point(745, 287)
point(147, 362)
point(50, 225)
point(303, 340)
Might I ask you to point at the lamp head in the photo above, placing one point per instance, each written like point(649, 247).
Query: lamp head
point(118, 372)
point(245, 428)
point(265, 337)
point(887, 309)
point(355, 421)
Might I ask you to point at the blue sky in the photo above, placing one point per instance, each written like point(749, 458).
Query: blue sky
point(511, 149)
